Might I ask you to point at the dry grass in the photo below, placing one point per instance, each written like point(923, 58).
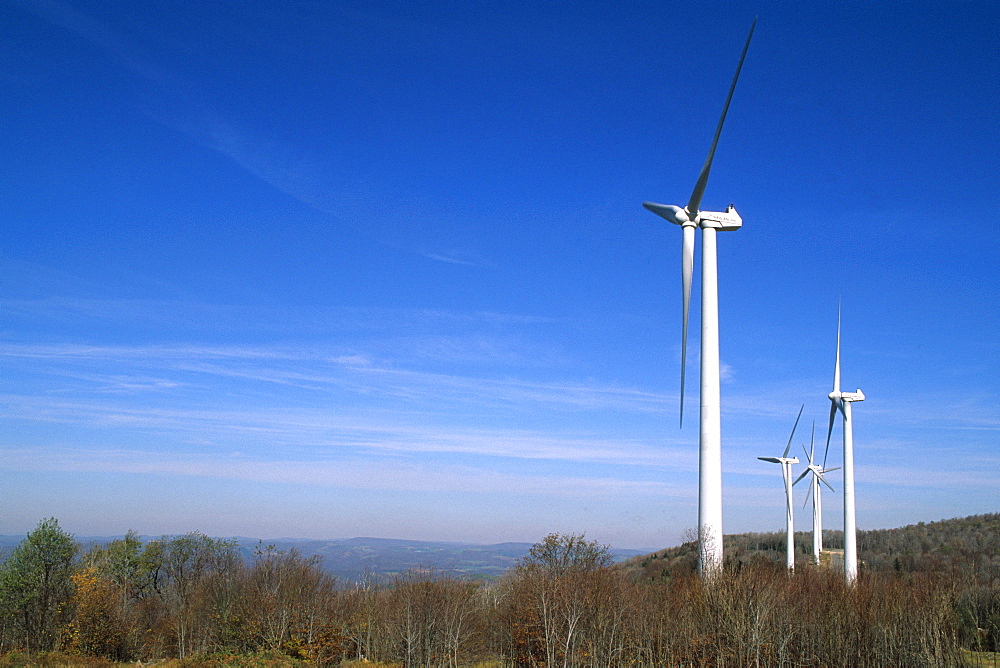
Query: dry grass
point(985, 659)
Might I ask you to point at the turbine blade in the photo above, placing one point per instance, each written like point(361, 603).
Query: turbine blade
point(787, 447)
point(687, 271)
point(836, 368)
point(823, 480)
point(812, 444)
point(801, 476)
point(835, 468)
point(808, 494)
point(829, 431)
point(699, 187)
point(770, 459)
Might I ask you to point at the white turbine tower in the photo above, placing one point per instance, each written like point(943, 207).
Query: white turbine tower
point(814, 491)
point(841, 401)
point(710, 433)
point(786, 474)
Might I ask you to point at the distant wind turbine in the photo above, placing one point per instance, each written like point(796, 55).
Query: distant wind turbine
point(841, 401)
point(814, 491)
point(710, 436)
point(786, 474)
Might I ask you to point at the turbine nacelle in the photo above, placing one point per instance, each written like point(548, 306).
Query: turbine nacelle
point(780, 460)
point(852, 396)
point(720, 220)
point(838, 397)
point(818, 472)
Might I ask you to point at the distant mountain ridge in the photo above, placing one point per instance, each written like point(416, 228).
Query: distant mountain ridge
point(357, 559)
point(916, 547)
point(379, 559)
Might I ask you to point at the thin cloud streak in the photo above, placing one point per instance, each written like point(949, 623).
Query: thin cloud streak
point(377, 431)
point(176, 373)
point(382, 475)
point(349, 371)
point(28, 278)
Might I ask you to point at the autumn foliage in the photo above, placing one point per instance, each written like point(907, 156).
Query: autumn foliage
point(194, 598)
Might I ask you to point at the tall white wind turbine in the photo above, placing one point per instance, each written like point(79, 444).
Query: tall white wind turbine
point(814, 491)
point(710, 433)
point(786, 474)
point(841, 401)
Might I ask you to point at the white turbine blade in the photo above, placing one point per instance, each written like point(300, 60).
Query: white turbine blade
point(835, 468)
point(834, 396)
point(836, 368)
point(788, 447)
point(770, 459)
point(812, 444)
point(801, 476)
point(699, 188)
point(808, 494)
point(687, 271)
point(823, 480)
point(829, 431)
point(673, 214)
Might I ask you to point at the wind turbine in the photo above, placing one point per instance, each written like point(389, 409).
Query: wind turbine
point(841, 401)
point(814, 490)
point(786, 473)
point(710, 432)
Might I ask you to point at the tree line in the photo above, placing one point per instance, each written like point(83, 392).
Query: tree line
point(193, 597)
point(970, 545)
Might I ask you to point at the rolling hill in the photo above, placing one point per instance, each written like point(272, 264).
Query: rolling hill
point(961, 543)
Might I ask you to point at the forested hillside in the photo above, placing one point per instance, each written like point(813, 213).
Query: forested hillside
point(967, 544)
point(565, 603)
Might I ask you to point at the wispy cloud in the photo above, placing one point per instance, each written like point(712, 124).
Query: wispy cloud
point(398, 475)
point(338, 434)
point(951, 477)
point(324, 183)
point(457, 257)
point(315, 369)
point(71, 19)
point(154, 314)
point(281, 165)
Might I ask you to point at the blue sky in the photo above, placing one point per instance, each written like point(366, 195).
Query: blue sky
point(332, 269)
